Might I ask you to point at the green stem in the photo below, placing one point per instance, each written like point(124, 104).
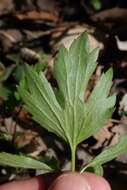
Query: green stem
point(73, 155)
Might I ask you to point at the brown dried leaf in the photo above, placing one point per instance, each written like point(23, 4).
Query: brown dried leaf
point(37, 15)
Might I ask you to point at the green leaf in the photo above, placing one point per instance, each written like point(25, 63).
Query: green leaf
point(4, 92)
point(68, 115)
point(73, 69)
point(51, 161)
point(6, 73)
point(97, 4)
point(97, 169)
point(19, 72)
point(6, 136)
point(40, 67)
point(20, 161)
point(41, 101)
point(98, 107)
point(109, 154)
point(15, 58)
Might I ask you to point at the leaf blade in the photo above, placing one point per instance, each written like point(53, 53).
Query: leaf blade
point(109, 153)
point(73, 119)
point(40, 100)
point(21, 161)
point(98, 107)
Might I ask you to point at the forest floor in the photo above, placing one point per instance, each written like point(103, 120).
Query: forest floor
point(32, 32)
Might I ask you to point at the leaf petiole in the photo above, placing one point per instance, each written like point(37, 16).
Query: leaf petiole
point(73, 160)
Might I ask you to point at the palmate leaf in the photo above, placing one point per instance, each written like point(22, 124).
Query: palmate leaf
point(74, 119)
point(20, 161)
point(108, 154)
